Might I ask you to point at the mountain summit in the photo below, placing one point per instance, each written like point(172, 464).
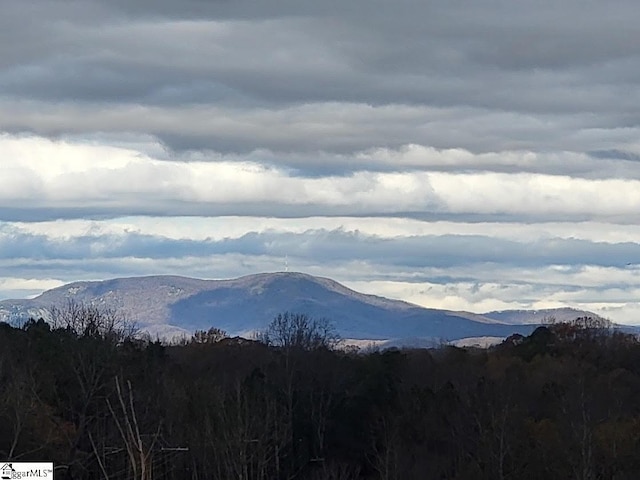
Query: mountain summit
point(169, 305)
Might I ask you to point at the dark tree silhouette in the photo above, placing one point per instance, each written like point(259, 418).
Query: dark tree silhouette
point(299, 331)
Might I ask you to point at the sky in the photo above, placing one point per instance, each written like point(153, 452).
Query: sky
point(472, 156)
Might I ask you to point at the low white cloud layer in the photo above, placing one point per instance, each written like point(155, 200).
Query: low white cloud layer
point(219, 228)
point(26, 287)
point(46, 174)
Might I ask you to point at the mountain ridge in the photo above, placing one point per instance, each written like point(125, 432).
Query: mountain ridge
point(168, 305)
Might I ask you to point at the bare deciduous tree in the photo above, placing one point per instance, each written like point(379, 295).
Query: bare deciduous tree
point(88, 340)
point(139, 450)
point(299, 331)
point(91, 321)
point(213, 335)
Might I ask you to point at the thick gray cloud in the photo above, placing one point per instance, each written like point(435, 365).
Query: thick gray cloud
point(525, 70)
point(471, 155)
point(335, 246)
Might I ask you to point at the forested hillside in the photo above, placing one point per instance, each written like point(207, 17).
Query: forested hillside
point(103, 404)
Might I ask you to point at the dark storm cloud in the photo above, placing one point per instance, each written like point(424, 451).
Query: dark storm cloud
point(529, 58)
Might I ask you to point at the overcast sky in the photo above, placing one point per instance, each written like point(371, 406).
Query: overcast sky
point(465, 155)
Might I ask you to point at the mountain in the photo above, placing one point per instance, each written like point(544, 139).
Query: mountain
point(170, 305)
point(548, 315)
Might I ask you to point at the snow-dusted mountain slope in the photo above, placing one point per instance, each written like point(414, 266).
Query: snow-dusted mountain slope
point(172, 304)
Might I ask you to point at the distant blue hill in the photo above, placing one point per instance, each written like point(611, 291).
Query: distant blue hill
point(170, 305)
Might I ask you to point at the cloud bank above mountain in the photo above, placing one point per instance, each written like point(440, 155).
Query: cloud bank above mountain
point(473, 156)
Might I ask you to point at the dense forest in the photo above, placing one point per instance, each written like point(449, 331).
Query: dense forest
point(104, 403)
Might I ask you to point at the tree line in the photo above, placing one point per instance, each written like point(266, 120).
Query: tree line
point(101, 402)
